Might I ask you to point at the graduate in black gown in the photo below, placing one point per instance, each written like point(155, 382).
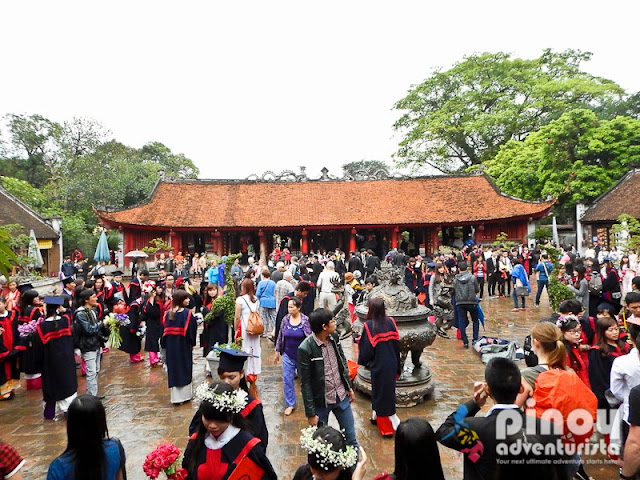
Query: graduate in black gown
point(380, 352)
point(116, 287)
point(152, 313)
point(131, 341)
point(30, 310)
point(9, 371)
point(216, 329)
point(54, 346)
point(178, 339)
point(231, 371)
point(221, 445)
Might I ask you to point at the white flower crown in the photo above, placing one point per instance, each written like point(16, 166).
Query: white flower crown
point(328, 459)
point(232, 402)
point(565, 319)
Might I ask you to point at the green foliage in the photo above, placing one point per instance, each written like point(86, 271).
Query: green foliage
point(25, 192)
point(627, 230)
point(227, 302)
point(575, 157)
point(372, 168)
point(541, 234)
point(34, 146)
point(558, 292)
point(155, 245)
point(8, 257)
point(68, 169)
point(462, 116)
point(17, 241)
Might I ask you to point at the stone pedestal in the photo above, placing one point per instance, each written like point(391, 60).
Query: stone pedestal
point(410, 390)
point(415, 331)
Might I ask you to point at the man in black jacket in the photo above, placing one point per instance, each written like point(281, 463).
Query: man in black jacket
point(502, 445)
point(354, 263)
point(324, 376)
point(373, 262)
point(492, 273)
point(90, 335)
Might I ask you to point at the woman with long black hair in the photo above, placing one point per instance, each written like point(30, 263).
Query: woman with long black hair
point(90, 453)
point(152, 311)
point(380, 353)
point(231, 372)
point(30, 310)
point(220, 444)
point(179, 338)
point(416, 450)
point(215, 330)
point(54, 344)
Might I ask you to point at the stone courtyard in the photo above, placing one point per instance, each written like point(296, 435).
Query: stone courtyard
point(139, 412)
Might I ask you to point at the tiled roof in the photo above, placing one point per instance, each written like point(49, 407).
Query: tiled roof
point(13, 211)
point(619, 199)
point(432, 200)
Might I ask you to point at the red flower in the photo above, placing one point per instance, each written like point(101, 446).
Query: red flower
point(163, 457)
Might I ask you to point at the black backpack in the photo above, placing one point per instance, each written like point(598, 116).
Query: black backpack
point(530, 358)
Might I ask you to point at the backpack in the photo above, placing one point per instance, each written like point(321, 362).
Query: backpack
point(255, 325)
point(595, 284)
point(564, 391)
point(530, 358)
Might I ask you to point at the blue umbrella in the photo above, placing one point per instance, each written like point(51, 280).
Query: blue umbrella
point(102, 250)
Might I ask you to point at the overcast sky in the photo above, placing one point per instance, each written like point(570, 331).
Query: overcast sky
point(242, 87)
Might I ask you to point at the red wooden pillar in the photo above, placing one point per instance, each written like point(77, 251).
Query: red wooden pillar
point(305, 242)
point(176, 242)
point(263, 245)
point(216, 242)
point(435, 241)
point(394, 237)
point(352, 240)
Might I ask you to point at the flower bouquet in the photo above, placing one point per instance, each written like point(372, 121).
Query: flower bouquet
point(165, 458)
point(114, 322)
point(28, 328)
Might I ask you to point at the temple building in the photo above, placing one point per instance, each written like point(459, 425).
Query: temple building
point(595, 220)
point(48, 232)
point(255, 214)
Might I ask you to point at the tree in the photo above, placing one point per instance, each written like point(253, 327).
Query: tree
point(34, 146)
point(576, 158)
point(366, 168)
point(7, 256)
point(462, 116)
point(627, 230)
point(173, 165)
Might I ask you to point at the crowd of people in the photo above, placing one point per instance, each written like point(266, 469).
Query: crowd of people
point(592, 340)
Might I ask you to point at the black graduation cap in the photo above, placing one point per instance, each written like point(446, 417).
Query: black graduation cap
point(24, 287)
point(53, 300)
point(232, 360)
point(143, 272)
point(117, 273)
point(431, 264)
point(68, 280)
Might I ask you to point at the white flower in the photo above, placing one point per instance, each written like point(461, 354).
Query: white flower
point(232, 402)
point(329, 459)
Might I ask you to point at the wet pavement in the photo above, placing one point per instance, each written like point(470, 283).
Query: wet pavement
point(140, 414)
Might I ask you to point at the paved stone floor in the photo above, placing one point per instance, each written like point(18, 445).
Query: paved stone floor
point(139, 412)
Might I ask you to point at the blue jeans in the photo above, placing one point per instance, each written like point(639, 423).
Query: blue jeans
point(288, 374)
point(541, 285)
point(344, 415)
point(463, 321)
